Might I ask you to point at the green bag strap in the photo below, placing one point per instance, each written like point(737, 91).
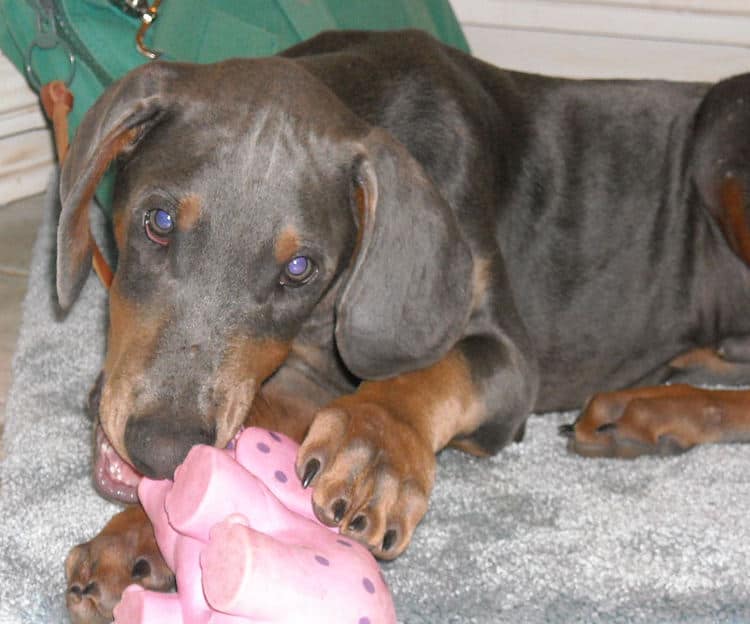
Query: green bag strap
point(438, 18)
point(192, 30)
point(434, 16)
point(307, 18)
point(219, 30)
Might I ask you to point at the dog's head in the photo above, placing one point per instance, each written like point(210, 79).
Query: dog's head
point(246, 192)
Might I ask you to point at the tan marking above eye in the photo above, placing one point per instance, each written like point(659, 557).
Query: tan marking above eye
point(247, 363)
point(133, 335)
point(189, 212)
point(287, 244)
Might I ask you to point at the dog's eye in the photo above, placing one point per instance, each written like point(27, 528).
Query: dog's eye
point(299, 270)
point(158, 224)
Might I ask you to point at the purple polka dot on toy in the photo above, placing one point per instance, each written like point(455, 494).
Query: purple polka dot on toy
point(364, 620)
point(275, 436)
point(367, 584)
point(280, 476)
point(322, 560)
point(344, 543)
point(263, 448)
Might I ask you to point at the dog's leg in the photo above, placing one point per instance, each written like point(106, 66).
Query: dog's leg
point(671, 419)
point(665, 420)
point(125, 552)
point(729, 365)
point(659, 420)
point(371, 454)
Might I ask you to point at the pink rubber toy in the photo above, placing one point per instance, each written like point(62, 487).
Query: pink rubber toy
point(238, 530)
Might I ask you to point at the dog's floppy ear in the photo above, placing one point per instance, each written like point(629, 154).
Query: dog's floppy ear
point(114, 124)
point(407, 297)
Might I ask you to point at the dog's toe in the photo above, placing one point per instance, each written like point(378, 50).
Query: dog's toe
point(371, 474)
point(98, 571)
point(88, 602)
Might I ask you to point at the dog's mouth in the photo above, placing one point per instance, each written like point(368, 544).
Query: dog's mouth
point(114, 478)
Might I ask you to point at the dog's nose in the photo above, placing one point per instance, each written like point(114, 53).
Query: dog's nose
point(156, 446)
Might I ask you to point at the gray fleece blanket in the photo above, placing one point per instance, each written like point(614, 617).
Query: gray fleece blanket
point(532, 535)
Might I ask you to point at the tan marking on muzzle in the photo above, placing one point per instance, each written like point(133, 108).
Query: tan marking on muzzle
point(247, 363)
point(133, 333)
point(189, 212)
point(287, 244)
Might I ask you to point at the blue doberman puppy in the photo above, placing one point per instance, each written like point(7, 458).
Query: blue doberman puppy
point(382, 246)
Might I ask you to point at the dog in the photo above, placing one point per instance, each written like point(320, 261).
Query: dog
point(381, 246)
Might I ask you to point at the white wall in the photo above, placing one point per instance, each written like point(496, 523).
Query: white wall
point(678, 39)
point(25, 144)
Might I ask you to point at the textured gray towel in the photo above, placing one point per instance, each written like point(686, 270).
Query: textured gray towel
point(533, 535)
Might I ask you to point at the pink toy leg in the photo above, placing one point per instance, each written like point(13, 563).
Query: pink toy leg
point(152, 495)
point(209, 486)
point(254, 575)
point(251, 574)
point(195, 610)
point(271, 457)
point(139, 606)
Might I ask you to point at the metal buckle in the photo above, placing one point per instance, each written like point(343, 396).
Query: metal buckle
point(47, 39)
point(145, 12)
point(147, 18)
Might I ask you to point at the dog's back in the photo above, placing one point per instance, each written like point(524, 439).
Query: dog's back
point(586, 187)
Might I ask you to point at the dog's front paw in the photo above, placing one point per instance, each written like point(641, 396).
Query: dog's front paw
point(98, 571)
point(372, 474)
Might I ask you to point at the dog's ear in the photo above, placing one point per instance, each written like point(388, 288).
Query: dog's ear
point(407, 296)
point(113, 125)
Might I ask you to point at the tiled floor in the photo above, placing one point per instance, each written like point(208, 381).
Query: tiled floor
point(19, 222)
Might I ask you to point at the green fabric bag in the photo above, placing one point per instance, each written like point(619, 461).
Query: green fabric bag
point(42, 36)
point(90, 43)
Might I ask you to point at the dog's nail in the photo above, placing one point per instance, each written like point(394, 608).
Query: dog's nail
point(339, 509)
point(389, 539)
point(311, 469)
point(567, 430)
point(358, 524)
